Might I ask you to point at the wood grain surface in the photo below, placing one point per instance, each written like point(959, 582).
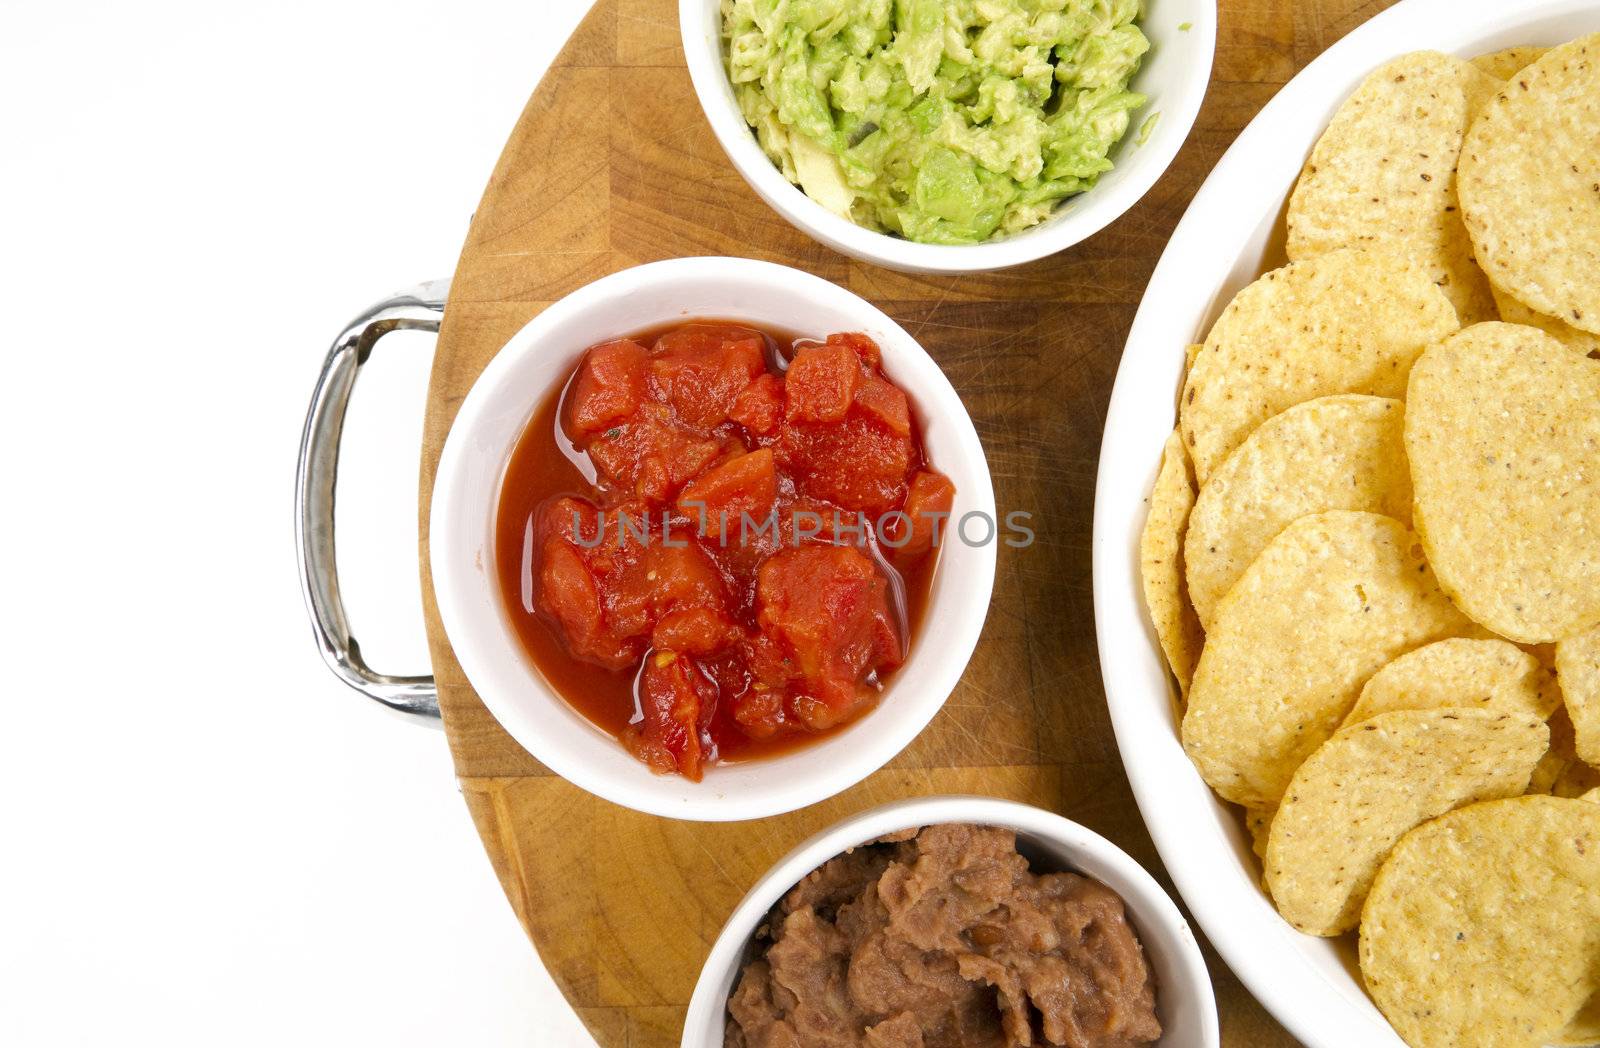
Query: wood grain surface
point(612, 164)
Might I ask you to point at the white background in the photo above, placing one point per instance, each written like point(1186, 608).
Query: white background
point(204, 838)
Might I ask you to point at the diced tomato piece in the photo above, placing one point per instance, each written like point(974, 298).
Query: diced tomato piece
point(761, 712)
point(821, 714)
point(676, 703)
point(759, 406)
point(575, 520)
point(821, 383)
point(769, 665)
point(927, 510)
point(650, 456)
point(609, 386)
point(699, 369)
point(609, 588)
point(886, 402)
point(863, 346)
point(828, 609)
point(657, 580)
point(857, 464)
point(694, 631)
point(570, 594)
point(747, 485)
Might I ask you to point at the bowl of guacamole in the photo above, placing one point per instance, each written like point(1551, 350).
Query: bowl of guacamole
point(948, 134)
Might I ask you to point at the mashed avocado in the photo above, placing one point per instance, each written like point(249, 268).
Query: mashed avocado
point(945, 121)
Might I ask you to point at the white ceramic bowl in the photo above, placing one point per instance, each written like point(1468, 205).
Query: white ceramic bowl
point(1174, 77)
point(1310, 984)
point(465, 495)
point(1184, 1000)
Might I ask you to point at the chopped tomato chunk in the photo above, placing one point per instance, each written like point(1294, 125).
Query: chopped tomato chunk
point(886, 402)
point(649, 582)
point(856, 464)
point(694, 631)
point(927, 512)
point(759, 406)
point(761, 712)
point(650, 456)
point(827, 608)
point(746, 485)
point(863, 346)
point(609, 580)
point(575, 520)
point(609, 385)
point(676, 702)
point(821, 383)
point(700, 369)
point(569, 594)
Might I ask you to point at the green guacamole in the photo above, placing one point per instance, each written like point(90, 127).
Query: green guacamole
point(945, 121)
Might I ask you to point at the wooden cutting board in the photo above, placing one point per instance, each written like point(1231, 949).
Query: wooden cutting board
point(612, 164)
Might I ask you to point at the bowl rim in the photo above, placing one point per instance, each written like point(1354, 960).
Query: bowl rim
point(1215, 250)
point(1101, 206)
point(457, 530)
point(1161, 925)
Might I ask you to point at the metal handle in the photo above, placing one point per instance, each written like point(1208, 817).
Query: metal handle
point(419, 309)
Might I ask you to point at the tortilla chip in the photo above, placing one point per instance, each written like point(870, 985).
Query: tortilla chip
point(1584, 1029)
point(1326, 604)
point(1370, 784)
point(1560, 772)
point(1514, 312)
point(1529, 182)
point(1461, 671)
point(1384, 172)
point(1576, 779)
point(1578, 669)
point(1503, 431)
point(1339, 452)
point(1504, 64)
point(1350, 321)
point(1161, 564)
point(1482, 929)
point(1258, 821)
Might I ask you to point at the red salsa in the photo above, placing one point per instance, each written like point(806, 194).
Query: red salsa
point(714, 542)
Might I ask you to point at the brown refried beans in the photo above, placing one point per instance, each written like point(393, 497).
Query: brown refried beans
point(943, 938)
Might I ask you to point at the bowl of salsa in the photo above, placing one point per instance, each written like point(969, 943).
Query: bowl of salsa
point(713, 538)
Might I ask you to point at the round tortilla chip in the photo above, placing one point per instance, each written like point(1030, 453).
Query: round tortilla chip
point(1384, 172)
point(1189, 353)
point(1339, 452)
point(1529, 183)
point(1258, 823)
point(1502, 429)
point(1161, 564)
point(1350, 321)
point(1371, 783)
point(1583, 1030)
point(1482, 929)
point(1560, 773)
point(1514, 312)
point(1485, 674)
point(1506, 63)
point(1578, 670)
point(1326, 604)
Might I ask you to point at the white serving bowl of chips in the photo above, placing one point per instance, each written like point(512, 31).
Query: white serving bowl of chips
point(1232, 233)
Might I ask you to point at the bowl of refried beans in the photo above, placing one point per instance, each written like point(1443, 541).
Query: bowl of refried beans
point(954, 922)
